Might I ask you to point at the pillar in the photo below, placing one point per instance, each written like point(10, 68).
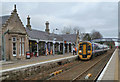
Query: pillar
point(63, 48)
point(46, 47)
point(37, 48)
point(59, 47)
point(49, 46)
point(71, 48)
point(53, 48)
point(68, 48)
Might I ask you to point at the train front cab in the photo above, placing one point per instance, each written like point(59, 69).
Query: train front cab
point(85, 50)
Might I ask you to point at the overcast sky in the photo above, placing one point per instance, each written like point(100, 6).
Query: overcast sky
point(100, 16)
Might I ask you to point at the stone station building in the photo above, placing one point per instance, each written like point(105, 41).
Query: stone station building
point(13, 37)
point(16, 39)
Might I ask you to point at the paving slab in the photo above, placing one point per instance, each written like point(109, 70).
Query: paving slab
point(119, 66)
point(33, 60)
point(110, 72)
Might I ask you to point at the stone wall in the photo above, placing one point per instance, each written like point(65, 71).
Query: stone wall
point(20, 74)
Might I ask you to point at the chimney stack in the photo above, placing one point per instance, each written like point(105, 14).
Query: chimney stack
point(47, 27)
point(28, 23)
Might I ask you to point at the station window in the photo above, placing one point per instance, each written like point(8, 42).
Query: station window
point(21, 49)
point(81, 47)
point(22, 39)
point(14, 39)
point(89, 47)
point(14, 46)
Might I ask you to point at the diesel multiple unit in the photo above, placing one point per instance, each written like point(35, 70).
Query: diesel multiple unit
point(87, 50)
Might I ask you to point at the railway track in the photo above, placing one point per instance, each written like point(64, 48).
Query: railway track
point(78, 71)
point(71, 71)
point(46, 74)
point(85, 72)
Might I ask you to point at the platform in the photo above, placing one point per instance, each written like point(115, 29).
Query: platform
point(110, 72)
point(12, 65)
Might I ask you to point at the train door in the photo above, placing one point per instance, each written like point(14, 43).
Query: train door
point(83, 50)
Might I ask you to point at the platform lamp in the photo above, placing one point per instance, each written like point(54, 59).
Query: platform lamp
point(55, 29)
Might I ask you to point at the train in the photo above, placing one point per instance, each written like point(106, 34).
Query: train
point(87, 50)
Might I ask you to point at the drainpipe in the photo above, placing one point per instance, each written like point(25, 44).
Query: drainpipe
point(3, 45)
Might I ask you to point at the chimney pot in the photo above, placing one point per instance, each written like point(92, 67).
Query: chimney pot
point(47, 27)
point(28, 23)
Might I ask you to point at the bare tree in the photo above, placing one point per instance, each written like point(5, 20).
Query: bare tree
point(72, 30)
point(86, 37)
point(66, 30)
point(75, 29)
point(96, 35)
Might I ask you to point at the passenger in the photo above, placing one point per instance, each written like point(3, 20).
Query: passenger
point(47, 52)
point(51, 52)
point(73, 51)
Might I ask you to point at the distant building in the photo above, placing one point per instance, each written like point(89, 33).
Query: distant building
point(16, 40)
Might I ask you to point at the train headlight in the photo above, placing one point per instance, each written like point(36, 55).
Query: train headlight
point(80, 51)
point(88, 51)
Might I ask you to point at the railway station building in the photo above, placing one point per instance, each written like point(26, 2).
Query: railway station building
point(16, 39)
point(13, 37)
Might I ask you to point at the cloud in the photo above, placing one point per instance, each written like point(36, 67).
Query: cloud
point(101, 16)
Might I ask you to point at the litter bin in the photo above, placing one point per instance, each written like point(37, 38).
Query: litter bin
point(27, 55)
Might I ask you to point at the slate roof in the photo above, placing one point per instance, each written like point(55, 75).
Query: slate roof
point(41, 35)
point(3, 19)
point(69, 37)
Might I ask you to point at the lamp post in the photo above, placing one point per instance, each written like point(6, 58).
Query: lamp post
point(54, 42)
point(53, 48)
point(54, 30)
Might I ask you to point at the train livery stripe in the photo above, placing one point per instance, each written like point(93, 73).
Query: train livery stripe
point(84, 49)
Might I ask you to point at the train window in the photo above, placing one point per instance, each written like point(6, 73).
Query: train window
point(80, 47)
point(88, 54)
point(97, 48)
point(89, 48)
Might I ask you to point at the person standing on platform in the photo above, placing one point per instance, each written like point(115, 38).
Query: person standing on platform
point(73, 51)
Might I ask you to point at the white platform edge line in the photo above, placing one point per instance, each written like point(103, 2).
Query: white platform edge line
point(36, 64)
point(103, 72)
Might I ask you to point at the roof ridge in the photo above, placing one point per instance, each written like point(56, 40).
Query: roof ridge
point(4, 15)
